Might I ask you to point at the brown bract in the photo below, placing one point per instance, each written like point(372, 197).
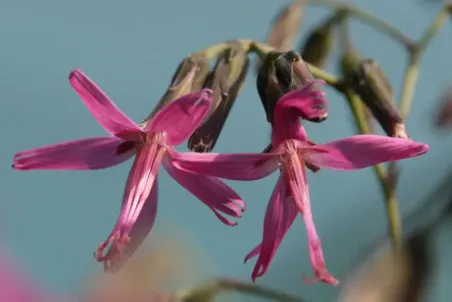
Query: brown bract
point(226, 79)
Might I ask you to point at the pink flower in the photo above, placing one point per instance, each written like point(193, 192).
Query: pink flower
point(292, 154)
point(152, 146)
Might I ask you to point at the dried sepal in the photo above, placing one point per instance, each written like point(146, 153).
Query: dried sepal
point(189, 77)
point(226, 79)
point(280, 73)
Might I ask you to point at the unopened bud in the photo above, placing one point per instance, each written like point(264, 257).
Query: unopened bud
point(376, 92)
point(280, 73)
point(319, 43)
point(444, 113)
point(226, 80)
point(189, 77)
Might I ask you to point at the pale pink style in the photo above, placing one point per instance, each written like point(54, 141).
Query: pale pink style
point(151, 146)
point(291, 154)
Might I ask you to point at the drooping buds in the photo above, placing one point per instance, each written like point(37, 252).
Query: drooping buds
point(226, 80)
point(370, 82)
point(319, 43)
point(189, 77)
point(376, 92)
point(280, 73)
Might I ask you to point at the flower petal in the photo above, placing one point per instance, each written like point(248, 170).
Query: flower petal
point(315, 249)
point(180, 118)
point(84, 154)
point(116, 257)
point(295, 176)
point(102, 108)
point(279, 217)
point(308, 102)
point(361, 151)
point(138, 188)
point(215, 194)
point(233, 166)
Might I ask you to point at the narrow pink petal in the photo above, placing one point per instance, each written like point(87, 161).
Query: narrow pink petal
point(180, 118)
point(254, 252)
point(279, 217)
point(233, 166)
point(116, 257)
point(84, 154)
point(361, 151)
point(102, 108)
point(315, 250)
point(138, 188)
point(295, 176)
point(215, 194)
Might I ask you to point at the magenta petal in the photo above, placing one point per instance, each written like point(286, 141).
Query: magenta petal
point(102, 108)
point(180, 118)
point(233, 166)
point(215, 194)
point(138, 188)
point(279, 217)
point(84, 154)
point(116, 256)
point(308, 103)
point(361, 151)
point(253, 253)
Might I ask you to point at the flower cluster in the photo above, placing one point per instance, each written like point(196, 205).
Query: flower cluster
point(151, 144)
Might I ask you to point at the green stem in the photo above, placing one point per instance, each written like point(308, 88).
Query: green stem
point(412, 70)
point(367, 17)
point(227, 285)
point(392, 208)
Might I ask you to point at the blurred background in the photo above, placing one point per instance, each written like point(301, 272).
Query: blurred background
point(53, 221)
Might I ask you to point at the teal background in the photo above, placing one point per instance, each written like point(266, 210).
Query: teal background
point(53, 221)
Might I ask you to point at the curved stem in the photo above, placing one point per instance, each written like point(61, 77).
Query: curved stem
point(412, 70)
point(224, 285)
point(367, 17)
point(392, 208)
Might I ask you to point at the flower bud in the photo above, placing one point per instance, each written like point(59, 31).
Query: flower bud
point(319, 43)
point(280, 73)
point(444, 112)
point(226, 80)
point(189, 77)
point(376, 92)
